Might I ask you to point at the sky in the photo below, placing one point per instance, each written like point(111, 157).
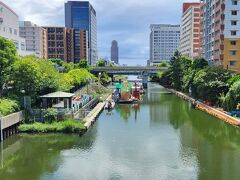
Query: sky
point(127, 21)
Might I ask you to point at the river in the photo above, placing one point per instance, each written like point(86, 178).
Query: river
point(162, 138)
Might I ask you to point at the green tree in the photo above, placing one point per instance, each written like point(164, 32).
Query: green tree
point(101, 63)
point(180, 66)
point(68, 67)
point(176, 71)
point(84, 64)
point(8, 56)
point(80, 76)
point(26, 76)
point(57, 61)
point(199, 63)
point(210, 83)
point(163, 64)
point(8, 106)
point(105, 79)
point(232, 98)
point(49, 80)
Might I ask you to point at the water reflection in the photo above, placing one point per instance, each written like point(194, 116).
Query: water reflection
point(162, 138)
point(31, 156)
point(213, 143)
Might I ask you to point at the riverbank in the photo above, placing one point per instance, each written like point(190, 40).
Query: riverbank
point(66, 126)
point(77, 126)
point(208, 109)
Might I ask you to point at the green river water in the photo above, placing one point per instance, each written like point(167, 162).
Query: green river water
point(162, 138)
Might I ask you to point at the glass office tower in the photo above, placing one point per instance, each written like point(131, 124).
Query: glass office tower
point(80, 15)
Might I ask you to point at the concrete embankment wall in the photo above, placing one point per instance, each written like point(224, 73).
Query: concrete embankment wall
point(8, 124)
point(208, 109)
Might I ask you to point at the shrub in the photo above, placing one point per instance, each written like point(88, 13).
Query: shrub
point(232, 98)
point(8, 106)
point(66, 126)
point(51, 115)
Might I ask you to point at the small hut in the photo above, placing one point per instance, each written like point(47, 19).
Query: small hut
point(57, 100)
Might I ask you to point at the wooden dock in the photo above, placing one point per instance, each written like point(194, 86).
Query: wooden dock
point(91, 118)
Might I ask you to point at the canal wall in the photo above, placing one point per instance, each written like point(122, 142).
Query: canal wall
point(8, 124)
point(208, 109)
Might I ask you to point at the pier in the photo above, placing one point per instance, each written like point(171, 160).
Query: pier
point(90, 119)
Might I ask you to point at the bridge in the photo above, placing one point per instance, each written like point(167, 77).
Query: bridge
point(129, 70)
point(144, 71)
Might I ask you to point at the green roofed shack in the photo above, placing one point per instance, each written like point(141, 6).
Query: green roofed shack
point(57, 100)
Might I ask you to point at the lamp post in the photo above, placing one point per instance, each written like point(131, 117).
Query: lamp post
point(88, 81)
point(99, 80)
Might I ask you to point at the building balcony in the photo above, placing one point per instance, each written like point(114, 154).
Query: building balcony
point(223, 6)
point(218, 57)
point(222, 47)
point(222, 17)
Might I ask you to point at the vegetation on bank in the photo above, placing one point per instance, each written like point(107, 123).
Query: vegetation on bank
point(214, 85)
point(8, 106)
point(33, 76)
point(66, 126)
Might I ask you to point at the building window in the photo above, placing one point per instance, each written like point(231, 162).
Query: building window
point(232, 63)
point(233, 23)
point(234, 2)
point(233, 33)
point(10, 30)
point(233, 43)
point(232, 53)
point(234, 13)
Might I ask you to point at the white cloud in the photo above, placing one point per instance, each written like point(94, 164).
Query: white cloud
point(124, 20)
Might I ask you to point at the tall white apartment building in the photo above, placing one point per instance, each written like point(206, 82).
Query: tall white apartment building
point(220, 27)
point(189, 39)
point(164, 40)
point(36, 38)
point(9, 28)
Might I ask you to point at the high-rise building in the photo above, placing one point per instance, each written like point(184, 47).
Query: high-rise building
point(115, 52)
point(80, 45)
point(164, 40)
point(60, 43)
point(36, 39)
point(80, 15)
point(221, 36)
point(9, 28)
point(189, 38)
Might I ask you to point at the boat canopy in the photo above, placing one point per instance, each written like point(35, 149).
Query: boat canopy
point(118, 85)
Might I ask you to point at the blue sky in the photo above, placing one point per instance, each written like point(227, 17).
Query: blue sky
point(126, 21)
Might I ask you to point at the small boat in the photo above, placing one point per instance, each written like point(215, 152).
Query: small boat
point(109, 105)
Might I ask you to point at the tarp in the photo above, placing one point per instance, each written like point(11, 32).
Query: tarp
point(118, 85)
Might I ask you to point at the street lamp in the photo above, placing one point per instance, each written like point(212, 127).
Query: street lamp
point(88, 81)
point(99, 80)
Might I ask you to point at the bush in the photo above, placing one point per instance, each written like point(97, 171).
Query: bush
point(66, 126)
point(232, 98)
point(8, 106)
point(210, 83)
point(163, 64)
point(51, 115)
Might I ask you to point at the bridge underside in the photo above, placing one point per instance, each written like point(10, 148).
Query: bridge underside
point(145, 72)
